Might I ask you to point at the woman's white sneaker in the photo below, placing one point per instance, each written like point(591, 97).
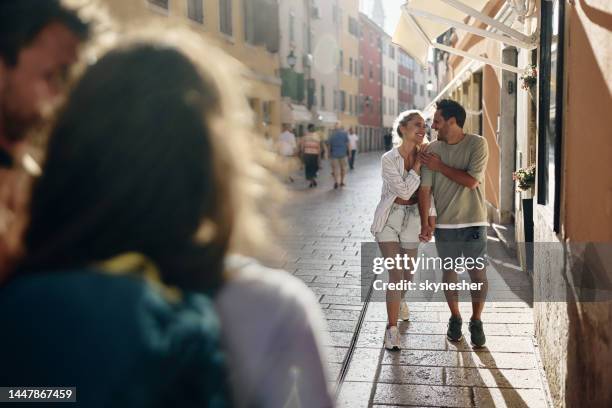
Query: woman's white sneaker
point(392, 338)
point(404, 313)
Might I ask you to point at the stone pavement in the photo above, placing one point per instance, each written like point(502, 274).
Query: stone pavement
point(325, 230)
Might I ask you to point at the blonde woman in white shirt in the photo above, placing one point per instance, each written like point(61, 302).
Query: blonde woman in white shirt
point(397, 223)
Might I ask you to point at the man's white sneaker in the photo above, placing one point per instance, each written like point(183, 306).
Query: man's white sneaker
point(404, 313)
point(392, 338)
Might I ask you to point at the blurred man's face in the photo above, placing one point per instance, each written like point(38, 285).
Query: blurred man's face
point(441, 126)
point(36, 80)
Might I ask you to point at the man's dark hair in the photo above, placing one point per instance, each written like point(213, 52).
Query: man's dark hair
point(452, 109)
point(22, 20)
point(311, 128)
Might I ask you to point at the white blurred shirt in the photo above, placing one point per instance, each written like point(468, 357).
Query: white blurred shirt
point(353, 139)
point(287, 144)
point(272, 329)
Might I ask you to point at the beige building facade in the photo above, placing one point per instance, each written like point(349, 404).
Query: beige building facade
point(350, 67)
point(230, 25)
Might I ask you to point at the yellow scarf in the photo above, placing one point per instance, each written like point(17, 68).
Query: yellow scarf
point(138, 264)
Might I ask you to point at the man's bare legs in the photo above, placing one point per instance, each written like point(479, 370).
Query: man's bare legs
point(478, 296)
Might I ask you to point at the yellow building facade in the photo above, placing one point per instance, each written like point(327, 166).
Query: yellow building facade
point(348, 62)
point(223, 23)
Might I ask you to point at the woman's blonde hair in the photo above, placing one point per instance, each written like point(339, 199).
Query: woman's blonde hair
point(401, 120)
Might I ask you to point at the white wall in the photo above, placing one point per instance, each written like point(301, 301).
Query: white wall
point(389, 92)
point(325, 49)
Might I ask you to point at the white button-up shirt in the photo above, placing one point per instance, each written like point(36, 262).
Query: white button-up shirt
point(396, 183)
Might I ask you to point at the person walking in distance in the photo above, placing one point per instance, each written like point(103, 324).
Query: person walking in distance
point(396, 222)
point(287, 148)
point(353, 140)
point(453, 169)
point(338, 150)
point(311, 149)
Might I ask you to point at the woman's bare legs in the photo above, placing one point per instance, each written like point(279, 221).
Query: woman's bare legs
point(394, 297)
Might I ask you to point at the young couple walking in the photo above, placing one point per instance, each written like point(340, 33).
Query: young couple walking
point(449, 171)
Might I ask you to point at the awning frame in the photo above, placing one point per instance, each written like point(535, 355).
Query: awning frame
point(513, 37)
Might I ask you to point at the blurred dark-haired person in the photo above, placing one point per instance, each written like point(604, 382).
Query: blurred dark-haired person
point(152, 178)
point(311, 150)
point(453, 169)
point(38, 44)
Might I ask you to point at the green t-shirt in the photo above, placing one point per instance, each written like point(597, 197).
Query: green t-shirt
point(458, 206)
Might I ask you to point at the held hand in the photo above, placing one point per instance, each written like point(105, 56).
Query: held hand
point(426, 233)
point(431, 160)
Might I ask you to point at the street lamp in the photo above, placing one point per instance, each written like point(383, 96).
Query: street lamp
point(429, 86)
point(291, 59)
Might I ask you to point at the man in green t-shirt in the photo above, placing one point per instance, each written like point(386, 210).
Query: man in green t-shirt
point(453, 170)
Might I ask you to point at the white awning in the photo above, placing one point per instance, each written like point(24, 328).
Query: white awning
point(327, 117)
point(293, 113)
point(423, 21)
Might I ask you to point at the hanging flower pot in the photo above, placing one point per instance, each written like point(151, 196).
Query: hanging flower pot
point(525, 178)
point(529, 77)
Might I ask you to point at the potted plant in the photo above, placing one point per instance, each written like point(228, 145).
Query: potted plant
point(529, 79)
point(525, 180)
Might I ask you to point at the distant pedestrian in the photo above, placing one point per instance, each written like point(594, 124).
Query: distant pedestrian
point(338, 150)
point(311, 150)
point(353, 142)
point(287, 149)
point(388, 141)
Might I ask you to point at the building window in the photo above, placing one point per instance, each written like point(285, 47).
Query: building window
point(342, 101)
point(322, 97)
point(550, 108)
point(266, 108)
point(391, 51)
point(195, 10)
point(225, 17)
point(351, 65)
point(353, 27)
point(351, 104)
point(341, 59)
point(384, 106)
point(291, 27)
point(422, 90)
point(160, 3)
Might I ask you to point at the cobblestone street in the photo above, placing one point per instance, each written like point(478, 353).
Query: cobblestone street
point(325, 230)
